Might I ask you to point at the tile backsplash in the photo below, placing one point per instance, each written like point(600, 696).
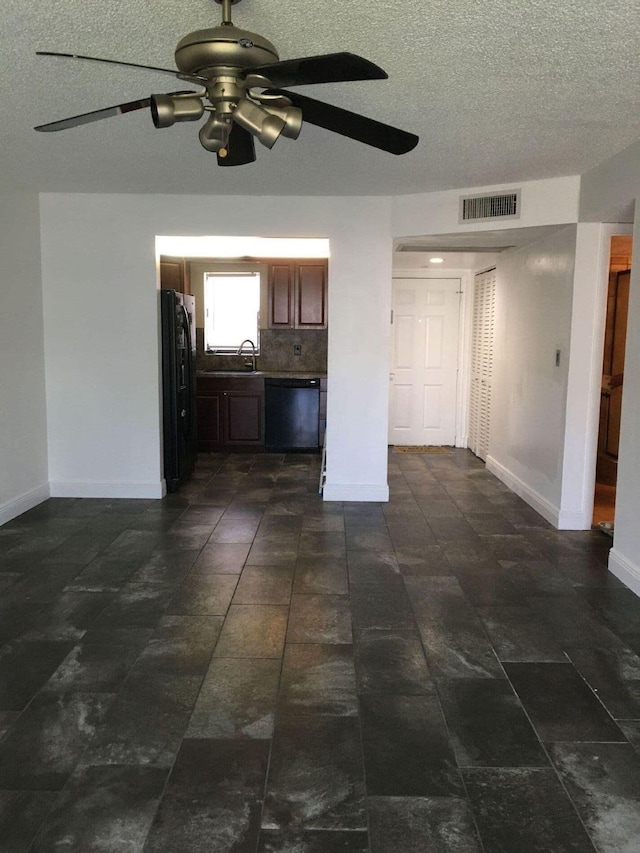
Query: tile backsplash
point(276, 352)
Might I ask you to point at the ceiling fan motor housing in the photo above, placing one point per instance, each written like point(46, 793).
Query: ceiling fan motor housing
point(226, 46)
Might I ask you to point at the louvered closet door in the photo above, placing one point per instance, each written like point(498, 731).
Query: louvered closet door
point(484, 300)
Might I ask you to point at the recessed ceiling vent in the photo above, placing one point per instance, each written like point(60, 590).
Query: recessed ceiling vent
point(480, 208)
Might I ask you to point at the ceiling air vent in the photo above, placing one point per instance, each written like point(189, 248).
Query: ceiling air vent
point(479, 208)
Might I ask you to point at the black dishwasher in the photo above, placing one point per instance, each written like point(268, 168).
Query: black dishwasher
point(291, 413)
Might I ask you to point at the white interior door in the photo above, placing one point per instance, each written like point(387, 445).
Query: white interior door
point(424, 361)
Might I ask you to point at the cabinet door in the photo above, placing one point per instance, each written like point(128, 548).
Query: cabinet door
point(311, 295)
point(280, 296)
point(210, 433)
point(244, 421)
point(174, 274)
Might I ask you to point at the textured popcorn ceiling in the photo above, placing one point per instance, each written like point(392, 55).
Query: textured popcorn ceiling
point(499, 91)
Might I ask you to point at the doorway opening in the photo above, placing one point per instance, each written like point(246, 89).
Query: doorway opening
point(620, 259)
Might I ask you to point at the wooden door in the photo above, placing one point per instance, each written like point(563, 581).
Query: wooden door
point(424, 361)
point(613, 370)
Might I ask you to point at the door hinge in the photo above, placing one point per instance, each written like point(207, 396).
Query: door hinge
point(392, 316)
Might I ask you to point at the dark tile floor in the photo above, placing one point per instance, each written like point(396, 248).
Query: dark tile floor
point(242, 668)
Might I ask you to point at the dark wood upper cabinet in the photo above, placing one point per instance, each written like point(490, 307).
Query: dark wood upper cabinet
point(311, 295)
point(281, 288)
point(298, 294)
point(174, 274)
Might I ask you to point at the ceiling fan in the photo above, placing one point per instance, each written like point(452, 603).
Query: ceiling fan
point(240, 75)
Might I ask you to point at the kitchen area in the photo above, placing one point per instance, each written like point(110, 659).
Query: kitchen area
point(267, 391)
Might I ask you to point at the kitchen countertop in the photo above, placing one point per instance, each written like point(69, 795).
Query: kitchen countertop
point(276, 374)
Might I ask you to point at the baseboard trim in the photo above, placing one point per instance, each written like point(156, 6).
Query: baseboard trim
point(574, 520)
point(362, 492)
point(625, 570)
point(12, 509)
point(541, 505)
point(70, 489)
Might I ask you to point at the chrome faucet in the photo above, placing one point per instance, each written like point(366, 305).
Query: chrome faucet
point(253, 352)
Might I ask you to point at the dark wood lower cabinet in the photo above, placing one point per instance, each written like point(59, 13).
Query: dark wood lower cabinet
point(230, 413)
point(243, 421)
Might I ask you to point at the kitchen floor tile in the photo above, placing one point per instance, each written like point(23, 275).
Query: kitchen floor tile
point(391, 662)
point(372, 566)
point(221, 558)
point(45, 744)
point(327, 841)
point(149, 702)
point(24, 668)
point(103, 810)
point(181, 645)
point(459, 648)
point(321, 576)
point(21, 814)
point(212, 798)
point(318, 680)
point(264, 585)
point(319, 619)
point(237, 699)
point(406, 747)
point(316, 776)
point(422, 825)
point(381, 606)
point(524, 810)
point(487, 724)
point(253, 631)
point(603, 781)
point(146, 721)
point(614, 675)
point(560, 704)
point(519, 634)
point(203, 595)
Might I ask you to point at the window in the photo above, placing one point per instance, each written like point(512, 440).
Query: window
point(231, 310)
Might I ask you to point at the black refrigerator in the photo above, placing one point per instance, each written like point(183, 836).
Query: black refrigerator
point(178, 386)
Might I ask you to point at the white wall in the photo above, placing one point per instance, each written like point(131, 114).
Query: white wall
point(533, 320)
point(545, 202)
point(591, 282)
point(613, 187)
point(608, 191)
point(23, 440)
point(100, 281)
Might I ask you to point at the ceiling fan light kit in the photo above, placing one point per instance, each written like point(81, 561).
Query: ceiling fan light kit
point(168, 109)
point(237, 71)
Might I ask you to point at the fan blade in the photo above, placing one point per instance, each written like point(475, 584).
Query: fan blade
point(329, 68)
point(192, 77)
point(241, 148)
point(353, 125)
point(98, 115)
